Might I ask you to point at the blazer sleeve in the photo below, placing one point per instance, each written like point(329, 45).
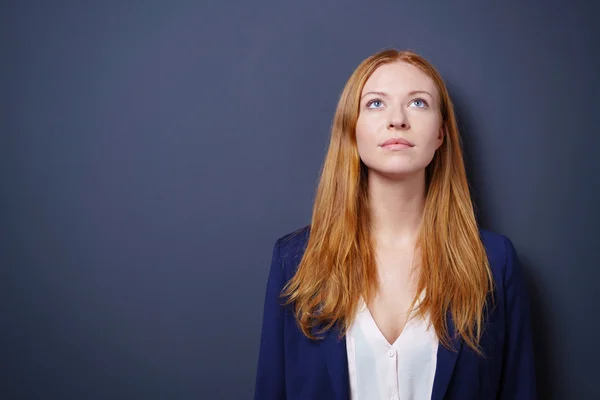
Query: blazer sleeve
point(270, 374)
point(518, 371)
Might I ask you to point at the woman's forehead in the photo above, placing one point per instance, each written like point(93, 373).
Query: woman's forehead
point(399, 78)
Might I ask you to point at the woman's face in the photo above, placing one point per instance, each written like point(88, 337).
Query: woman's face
point(398, 101)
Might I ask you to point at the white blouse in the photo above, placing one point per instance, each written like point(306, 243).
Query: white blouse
point(403, 370)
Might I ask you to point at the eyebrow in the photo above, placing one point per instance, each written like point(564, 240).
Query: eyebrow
point(383, 94)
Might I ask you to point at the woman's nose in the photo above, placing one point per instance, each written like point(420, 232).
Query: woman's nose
point(397, 121)
point(397, 125)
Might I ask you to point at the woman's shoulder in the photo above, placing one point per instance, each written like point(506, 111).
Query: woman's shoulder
point(290, 247)
point(501, 254)
point(293, 241)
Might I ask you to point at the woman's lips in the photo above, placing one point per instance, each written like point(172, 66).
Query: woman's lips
point(396, 146)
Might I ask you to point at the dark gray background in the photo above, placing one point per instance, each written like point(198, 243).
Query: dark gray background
point(152, 152)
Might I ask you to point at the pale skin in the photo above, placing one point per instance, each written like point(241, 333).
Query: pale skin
point(397, 101)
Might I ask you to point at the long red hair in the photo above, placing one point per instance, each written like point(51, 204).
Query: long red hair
point(338, 265)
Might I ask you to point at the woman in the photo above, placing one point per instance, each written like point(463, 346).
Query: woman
point(393, 291)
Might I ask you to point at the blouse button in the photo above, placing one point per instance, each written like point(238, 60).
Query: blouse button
point(391, 353)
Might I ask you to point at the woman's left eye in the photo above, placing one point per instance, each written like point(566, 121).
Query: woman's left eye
point(420, 103)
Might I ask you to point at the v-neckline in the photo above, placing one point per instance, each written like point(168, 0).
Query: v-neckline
point(375, 327)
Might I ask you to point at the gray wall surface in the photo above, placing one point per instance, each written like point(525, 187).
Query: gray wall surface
point(151, 153)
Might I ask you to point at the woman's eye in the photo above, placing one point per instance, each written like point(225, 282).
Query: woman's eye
point(420, 103)
point(375, 102)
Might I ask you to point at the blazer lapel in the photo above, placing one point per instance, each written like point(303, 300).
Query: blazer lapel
point(446, 360)
point(334, 350)
point(336, 358)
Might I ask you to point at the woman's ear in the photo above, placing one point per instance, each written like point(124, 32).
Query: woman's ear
point(440, 138)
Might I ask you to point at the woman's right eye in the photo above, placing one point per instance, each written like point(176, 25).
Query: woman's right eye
point(375, 102)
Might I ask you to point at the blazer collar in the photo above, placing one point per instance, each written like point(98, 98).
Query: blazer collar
point(336, 358)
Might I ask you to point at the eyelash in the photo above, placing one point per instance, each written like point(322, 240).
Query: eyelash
point(379, 100)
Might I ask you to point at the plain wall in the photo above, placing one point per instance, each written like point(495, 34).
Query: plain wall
point(151, 153)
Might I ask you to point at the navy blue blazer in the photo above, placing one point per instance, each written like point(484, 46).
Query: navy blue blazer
point(292, 367)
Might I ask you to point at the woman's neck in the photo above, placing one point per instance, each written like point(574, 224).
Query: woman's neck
point(396, 207)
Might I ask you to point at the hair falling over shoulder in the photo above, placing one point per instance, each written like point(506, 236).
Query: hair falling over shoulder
point(338, 265)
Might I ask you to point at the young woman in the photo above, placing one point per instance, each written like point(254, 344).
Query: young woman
point(393, 291)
